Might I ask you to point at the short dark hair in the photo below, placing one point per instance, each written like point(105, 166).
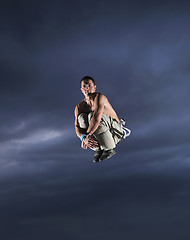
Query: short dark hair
point(86, 78)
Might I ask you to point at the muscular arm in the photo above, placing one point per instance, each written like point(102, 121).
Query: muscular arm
point(88, 141)
point(99, 103)
point(78, 130)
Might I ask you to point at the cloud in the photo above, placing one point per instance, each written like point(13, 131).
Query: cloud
point(138, 55)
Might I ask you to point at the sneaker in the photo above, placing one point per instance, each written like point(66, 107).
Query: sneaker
point(107, 154)
point(126, 131)
point(97, 155)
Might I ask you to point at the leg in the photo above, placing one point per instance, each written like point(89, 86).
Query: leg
point(105, 140)
point(103, 133)
point(117, 131)
point(83, 121)
point(108, 134)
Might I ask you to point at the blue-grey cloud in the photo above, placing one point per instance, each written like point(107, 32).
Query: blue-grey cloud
point(138, 54)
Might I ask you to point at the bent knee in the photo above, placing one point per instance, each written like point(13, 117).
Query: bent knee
point(83, 120)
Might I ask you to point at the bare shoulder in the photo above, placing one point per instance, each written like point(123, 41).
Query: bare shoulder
point(76, 111)
point(82, 107)
point(78, 106)
point(101, 97)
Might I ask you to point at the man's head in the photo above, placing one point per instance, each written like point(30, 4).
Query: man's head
point(88, 85)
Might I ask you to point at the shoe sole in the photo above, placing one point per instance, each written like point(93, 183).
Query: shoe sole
point(107, 157)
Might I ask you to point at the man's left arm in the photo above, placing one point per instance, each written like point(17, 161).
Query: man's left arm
point(99, 103)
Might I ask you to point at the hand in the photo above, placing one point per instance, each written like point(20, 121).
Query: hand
point(83, 145)
point(89, 142)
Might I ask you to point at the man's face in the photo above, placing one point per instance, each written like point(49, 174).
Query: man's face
point(88, 87)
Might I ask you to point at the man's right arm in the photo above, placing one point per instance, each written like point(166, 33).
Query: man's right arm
point(77, 128)
point(87, 142)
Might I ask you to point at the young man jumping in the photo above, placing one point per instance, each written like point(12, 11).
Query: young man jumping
point(96, 122)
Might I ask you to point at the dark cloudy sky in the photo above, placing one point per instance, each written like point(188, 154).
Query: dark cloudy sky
point(139, 54)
